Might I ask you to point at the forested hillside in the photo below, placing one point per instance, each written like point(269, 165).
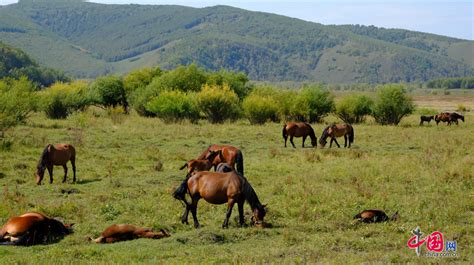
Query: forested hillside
point(88, 39)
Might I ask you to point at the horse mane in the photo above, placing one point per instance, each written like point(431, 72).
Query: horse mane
point(251, 196)
point(44, 157)
point(325, 132)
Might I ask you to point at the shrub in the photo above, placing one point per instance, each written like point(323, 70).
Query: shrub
point(259, 109)
point(109, 91)
point(174, 105)
point(218, 103)
point(139, 78)
point(60, 100)
point(462, 108)
point(236, 81)
point(392, 104)
point(312, 104)
point(354, 108)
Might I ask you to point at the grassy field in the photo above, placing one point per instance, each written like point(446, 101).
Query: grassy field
point(128, 168)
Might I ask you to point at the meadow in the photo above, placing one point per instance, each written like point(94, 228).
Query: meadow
point(128, 169)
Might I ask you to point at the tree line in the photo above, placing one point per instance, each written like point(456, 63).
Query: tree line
point(452, 83)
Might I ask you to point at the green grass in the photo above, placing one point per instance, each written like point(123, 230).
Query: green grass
point(424, 172)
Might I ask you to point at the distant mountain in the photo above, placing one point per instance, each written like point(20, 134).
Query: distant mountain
point(88, 39)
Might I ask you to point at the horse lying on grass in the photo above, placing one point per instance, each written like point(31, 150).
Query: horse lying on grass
point(123, 232)
point(375, 216)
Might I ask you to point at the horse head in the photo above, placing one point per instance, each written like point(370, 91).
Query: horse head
point(258, 215)
point(39, 173)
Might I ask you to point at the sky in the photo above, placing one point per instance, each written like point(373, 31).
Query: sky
point(450, 18)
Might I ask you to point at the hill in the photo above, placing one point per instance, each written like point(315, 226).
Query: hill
point(88, 39)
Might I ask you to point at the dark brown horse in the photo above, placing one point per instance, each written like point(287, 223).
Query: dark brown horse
point(201, 164)
point(220, 188)
point(122, 232)
point(337, 130)
point(229, 154)
point(56, 155)
point(454, 117)
point(299, 129)
point(426, 118)
point(443, 117)
point(374, 216)
point(33, 228)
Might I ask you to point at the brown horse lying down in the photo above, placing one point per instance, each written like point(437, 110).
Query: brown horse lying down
point(337, 130)
point(374, 216)
point(123, 232)
point(33, 228)
point(56, 155)
point(220, 188)
point(299, 129)
point(201, 164)
point(229, 154)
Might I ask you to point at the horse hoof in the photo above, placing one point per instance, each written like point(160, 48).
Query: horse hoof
point(197, 226)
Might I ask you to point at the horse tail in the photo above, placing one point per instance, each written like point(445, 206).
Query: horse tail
point(44, 155)
point(239, 160)
point(180, 192)
point(357, 216)
point(284, 132)
point(351, 135)
point(185, 165)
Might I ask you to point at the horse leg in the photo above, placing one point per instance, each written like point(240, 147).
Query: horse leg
point(193, 209)
point(338, 146)
point(241, 212)
point(184, 217)
point(304, 139)
point(50, 171)
point(286, 138)
point(65, 173)
point(73, 163)
point(291, 141)
point(230, 206)
point(345, 140)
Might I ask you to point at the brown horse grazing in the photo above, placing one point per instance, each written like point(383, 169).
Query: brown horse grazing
point(220, 188)
point(374, 216)
point(454, 117)
point(425, 118)
point(201, 164)
point(229, 154)
point(33, 228)
point(56, 155)
point(337, 130)
point(123, 232)
point(444, 117)
point(299, 129)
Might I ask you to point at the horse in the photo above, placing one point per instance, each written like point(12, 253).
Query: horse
point(229, 154)
point(33, 228)
point(454, 116)
point(299, 129)
point(201, 164)
point(374, 216)
point(123, 232)
point(337, 130)
point(220, 188)
point(224, 168)
point(56, 155)
point(444, 117)
point(426, 118)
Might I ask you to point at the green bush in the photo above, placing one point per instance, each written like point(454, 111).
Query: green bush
point(237, 82)
point(109, 91)
point(218, 103)
point(392, 104)
point(312, 104)
point(173, 106)
point(61, 99)
point(260, 109)
point(354, 108)
point(139, 78)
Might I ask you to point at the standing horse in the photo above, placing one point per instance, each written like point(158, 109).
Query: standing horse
point(220, 188)
point(453, 117)
point(56, 155)
point(337, 130)
point(123, 232)
point(229, 154)
point(444, 117)
point(32, 228)
point(426, 118)
point(299, 129)
point(202, 164)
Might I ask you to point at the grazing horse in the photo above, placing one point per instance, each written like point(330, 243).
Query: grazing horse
point(426, 118)
point(56, 155)
point(33, 228)
point(337, 130)
point(454, 116)
point(220, 188)
point(201, 164)
point(123, 232)
point(374, 216)
point(444, 117)
point(299, 129)
point(229, 154)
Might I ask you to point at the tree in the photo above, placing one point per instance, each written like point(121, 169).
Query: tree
point(174, 105)
point(354, 108)
point(260, 109)
point(62, 99)
point(218, 103)
point(392, 104)
point(109, 91)
point(312, 104)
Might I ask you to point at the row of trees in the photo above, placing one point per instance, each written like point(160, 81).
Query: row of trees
point(452, 83)
point(192, 93)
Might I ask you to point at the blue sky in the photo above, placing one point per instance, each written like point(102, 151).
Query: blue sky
point(451, 18)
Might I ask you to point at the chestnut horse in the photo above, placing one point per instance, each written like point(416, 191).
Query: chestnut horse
point(444, 117)
point(229, 154)
point(56, 155)
point(337, 130)
point(33, 228)
point(374, 216)
point(299, 129)
point(201, 165)
point(220, 188)
point(123, 232)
